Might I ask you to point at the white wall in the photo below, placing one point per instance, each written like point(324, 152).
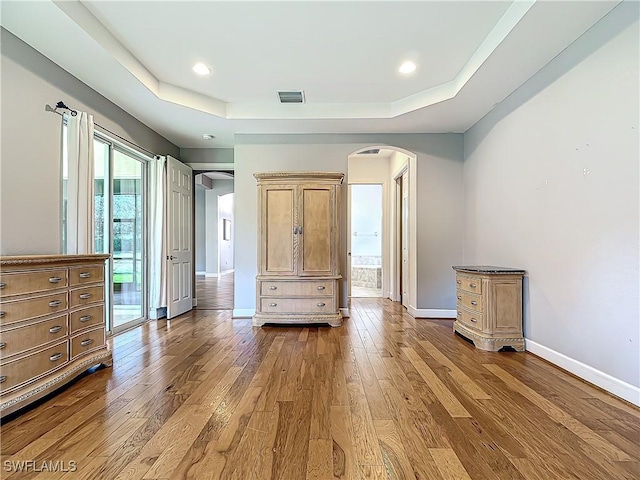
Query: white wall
point(214, 224)
point(225, 212)
point(439, 186)
point(200, 226)
point(552, 186)
point(30, 168)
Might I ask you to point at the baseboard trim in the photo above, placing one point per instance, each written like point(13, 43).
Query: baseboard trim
point(431, 312)
point(613, 385)
point(243, 312)
point(194, 302)
point(156, 313)
point(201, 274)
point(210, 275)
point(344, 312)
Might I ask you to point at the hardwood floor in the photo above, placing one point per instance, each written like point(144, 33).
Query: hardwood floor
point(215, 293)
point(385, 396)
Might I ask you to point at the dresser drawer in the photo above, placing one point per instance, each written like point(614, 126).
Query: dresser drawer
point(87, 317)
point(31, 282)
point(297, 305)
point(82, 275)
point(20, 371)
point(85, 296)
point(32, 336)
point(297, 288)
point(18, 310)
point(469, 300)
point(472, 320)
point(86, 342)
point(469, 284)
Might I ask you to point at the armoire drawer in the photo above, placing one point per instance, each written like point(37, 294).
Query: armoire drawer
point(85, 296)
point(86, 317)
point(19, 310)
point(297, 305)
point(32, 366)
point(297, 288)
point(31, 336)
point(86, 342)
point(32, 282)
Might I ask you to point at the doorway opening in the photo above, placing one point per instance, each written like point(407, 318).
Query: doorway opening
point(366, 240)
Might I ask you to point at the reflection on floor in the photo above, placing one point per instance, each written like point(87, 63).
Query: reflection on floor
point(215, 293)
point(366, 292)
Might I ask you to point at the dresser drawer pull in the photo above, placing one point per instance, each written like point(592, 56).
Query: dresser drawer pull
point(86, 318)
point(320, 304)
point(321, 287)
point(84, 296)
point(2, 345)
point(459, 297)
point(2, 314)
point(55, 279)
point(473, 320)
point(85, 274)
point(85, 343)
point(2, 285)
point(472, 285)
point(56, 357)
point(458, 282)
point(474, 303)
point(273, 288)
point(55, 303)
point(55, 329)
point(273, 304)
point(3, 378)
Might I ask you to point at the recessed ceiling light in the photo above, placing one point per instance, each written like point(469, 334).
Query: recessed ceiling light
point(201, 69)
point(407, 67)
point(208, 136)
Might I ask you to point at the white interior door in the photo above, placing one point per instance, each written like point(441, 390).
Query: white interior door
point(179, 231)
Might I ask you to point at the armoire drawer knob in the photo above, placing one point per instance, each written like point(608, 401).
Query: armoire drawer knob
point(273, 304)
point(320, 304)
point(84, 296)
point(55, 303)
point(273, 288)
point(55, 279)
point(55, 357)
point(321, 287)
point(85, 343)
point(85, 318)
point(85, 274)
point(55, 329)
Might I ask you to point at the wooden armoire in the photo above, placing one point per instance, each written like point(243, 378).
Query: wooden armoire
point(298, 244)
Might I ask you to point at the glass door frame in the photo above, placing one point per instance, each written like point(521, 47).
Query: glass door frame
point(113, 147)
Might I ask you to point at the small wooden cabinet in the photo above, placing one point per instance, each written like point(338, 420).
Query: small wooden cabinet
point(489, 306)
point(298, 241)
point(52, 324)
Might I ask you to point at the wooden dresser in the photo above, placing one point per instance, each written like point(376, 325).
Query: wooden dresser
point(489, 306)
point(52, 324)
point(299, 234)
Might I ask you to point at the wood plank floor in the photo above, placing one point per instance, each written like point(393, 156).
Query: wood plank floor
point(385, 396)
point(215, 293)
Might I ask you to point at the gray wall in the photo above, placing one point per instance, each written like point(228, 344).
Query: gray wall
point(440, 215)
point(30, 165)
point(206, 155)
point(552, 186)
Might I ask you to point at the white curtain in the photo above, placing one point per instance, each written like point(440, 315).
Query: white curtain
point(157, 243)
point(80, 184)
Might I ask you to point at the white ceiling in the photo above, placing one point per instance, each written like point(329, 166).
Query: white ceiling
point(344, 55)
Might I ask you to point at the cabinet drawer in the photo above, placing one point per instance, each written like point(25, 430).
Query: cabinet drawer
point(297, 305)
point(469, 284)
point(472, 320)
point(18, 310)
point(31, 336)
point(294, 289)
point(470, 301)
point(89, 274)
point(34, 365)
point(86, 342)
point(31, 282)
point(87, 317)
point(85, 296)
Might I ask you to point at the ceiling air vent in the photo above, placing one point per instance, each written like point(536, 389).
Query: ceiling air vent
point(373, 151)
point(291, 97)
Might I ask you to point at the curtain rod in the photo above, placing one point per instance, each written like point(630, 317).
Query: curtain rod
point(73, 113)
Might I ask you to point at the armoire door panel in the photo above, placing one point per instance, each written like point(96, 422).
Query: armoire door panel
point(278, 224)
point(317, 212)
